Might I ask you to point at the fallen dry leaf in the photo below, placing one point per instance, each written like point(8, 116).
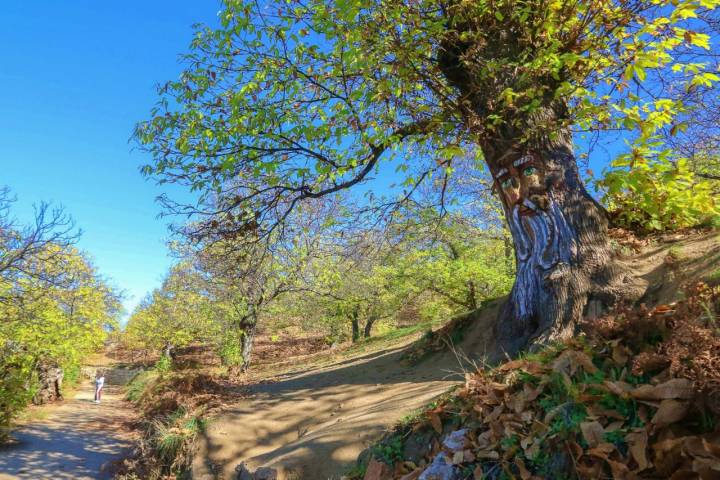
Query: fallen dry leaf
point(601, 451)
point(524, 473)
point(706, 468)
point(699, 447)
point(677, 388)
point(435, 421)
point(670, 411)
point(468, 456)
point(620, 354)
point(488, 454)
point(495, 414)
point(570, 360)
point(620, 389)
point(511, 365)
point(377, 470)
point(620, 471)
point(478, 473)
point(668, 455)
point(532, 393)
point(638, 442)
point(593, 433)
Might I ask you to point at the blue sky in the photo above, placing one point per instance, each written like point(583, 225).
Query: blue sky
point(75, 78)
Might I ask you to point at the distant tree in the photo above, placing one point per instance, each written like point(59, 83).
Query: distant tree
point(56, 310)
point(437, 263)
point(243, 283)
point(454, 259)
point(353, 282)
point(22, 247)
point(173, 315)
point(246, 275)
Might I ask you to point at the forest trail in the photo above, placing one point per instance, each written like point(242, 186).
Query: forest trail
point(313, 424)
point(79, 440)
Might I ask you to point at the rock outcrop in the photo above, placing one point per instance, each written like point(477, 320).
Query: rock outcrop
point(50, 378)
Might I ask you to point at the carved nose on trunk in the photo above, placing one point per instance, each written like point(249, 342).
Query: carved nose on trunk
point(541, 201)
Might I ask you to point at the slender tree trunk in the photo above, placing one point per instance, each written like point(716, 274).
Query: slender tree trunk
point(355, 321)
point(249, 327)
point(472, 295)
point(368, 326)
point(169, 350)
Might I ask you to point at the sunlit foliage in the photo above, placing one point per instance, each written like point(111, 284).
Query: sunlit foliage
point(55, 308)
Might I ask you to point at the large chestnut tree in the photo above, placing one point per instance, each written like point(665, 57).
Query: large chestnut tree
point(287, 101)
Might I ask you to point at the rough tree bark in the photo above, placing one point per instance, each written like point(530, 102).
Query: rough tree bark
point(50, 379)
point(355, 322)
point(249, 327)
point(565, 267)
point(368, 326)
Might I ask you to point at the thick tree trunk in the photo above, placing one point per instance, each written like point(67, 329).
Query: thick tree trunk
point(565, 267)
point(50, 384)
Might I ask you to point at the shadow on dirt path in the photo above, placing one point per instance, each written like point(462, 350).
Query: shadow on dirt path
point(79, 440)
point(313, 424)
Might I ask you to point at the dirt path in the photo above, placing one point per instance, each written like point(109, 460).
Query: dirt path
point(313, 425)
point(79, 440)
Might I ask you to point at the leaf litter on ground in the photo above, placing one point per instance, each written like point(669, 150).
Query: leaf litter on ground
point(635, 396)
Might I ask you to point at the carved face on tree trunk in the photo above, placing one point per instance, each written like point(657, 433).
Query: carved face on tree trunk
point(543, 238)
point(521, 182)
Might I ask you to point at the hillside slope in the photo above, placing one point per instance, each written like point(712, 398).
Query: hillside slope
point(313, 424)
point(634, 396)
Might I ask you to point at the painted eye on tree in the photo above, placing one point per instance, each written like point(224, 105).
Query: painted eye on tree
point(507, 183)
point(529, 171)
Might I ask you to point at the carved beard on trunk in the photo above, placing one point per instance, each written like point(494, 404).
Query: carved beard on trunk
point(544, 243)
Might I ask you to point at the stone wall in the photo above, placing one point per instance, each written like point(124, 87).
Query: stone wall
point(113, 375)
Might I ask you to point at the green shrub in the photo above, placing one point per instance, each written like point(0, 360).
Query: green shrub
point(164, 365)
point(71, 374)
point(389, 451)
point(19, 384)
point(139, 384)
point(654, 191)
point(230, 351)
point(173, 438)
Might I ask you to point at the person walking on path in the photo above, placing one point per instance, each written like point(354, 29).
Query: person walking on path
point(99, 383)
